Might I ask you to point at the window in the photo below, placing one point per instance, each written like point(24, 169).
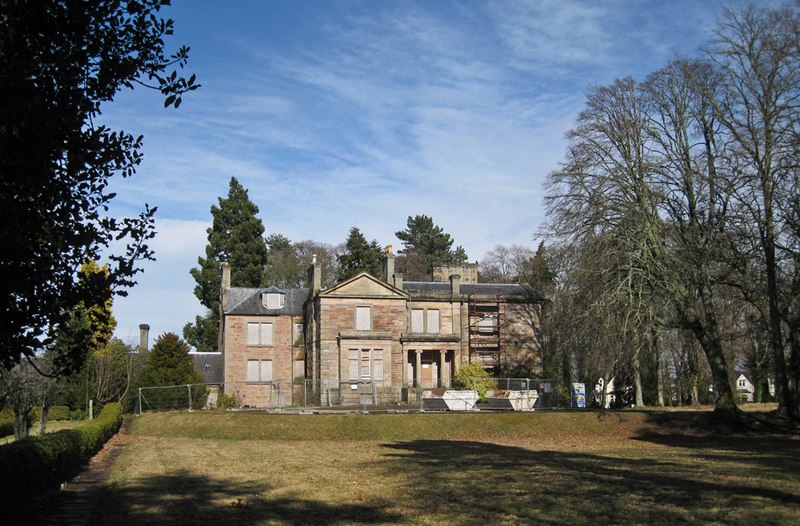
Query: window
point(365, 364)
point(742, 383)
point(377, 365)
point(272, 300)
point(259, 333)
point(417, 320)
point(208, 367)
point(425, 321)
point(353, 364)
point(259, 370)
point(363, 319)
point(433, 321)
point(487, 324)
point(299, 337)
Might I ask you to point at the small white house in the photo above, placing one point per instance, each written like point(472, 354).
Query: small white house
point(744, 389)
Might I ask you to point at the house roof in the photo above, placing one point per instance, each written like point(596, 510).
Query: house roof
point(506, 290)
point(216, 373)
point(247, 301)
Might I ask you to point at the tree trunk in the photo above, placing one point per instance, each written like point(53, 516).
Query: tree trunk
point(659, 371)
point(44, 414)
point(22, 424)
point(637, 379)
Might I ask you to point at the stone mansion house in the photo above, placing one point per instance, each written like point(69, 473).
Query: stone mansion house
point(364, 332)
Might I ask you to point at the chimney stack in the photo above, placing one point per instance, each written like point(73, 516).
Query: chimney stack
point(314, 276)
point(144, 335)
point(226, 275)
point(398, 280)
point(455, 284)
point(387, 266)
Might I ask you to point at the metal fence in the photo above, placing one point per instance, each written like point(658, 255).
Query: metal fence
point(320, 394)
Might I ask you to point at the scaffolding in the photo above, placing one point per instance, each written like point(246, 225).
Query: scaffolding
point(485, 323)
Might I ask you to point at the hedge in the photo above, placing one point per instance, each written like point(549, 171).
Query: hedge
point(36, 465)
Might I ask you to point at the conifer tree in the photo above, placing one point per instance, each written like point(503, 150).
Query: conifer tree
point(424, 245)
point(169, 364)
point(360, 256)
point(236, 236)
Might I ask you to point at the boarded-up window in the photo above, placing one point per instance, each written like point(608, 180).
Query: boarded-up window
point(272, 300)
point(433, 321)
point(363, 319)
point(366, 369)
point(487, 324)
point(353, 364)
point(299, 338)
point(259, 333)
point(417, 320)
point(377, 365)
point(259, 370)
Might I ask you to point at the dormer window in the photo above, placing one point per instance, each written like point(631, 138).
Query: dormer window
point(273, 298)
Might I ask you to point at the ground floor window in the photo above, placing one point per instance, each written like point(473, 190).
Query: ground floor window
point(259, 370)
point(365, 364)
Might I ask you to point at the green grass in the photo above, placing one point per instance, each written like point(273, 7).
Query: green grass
point(543, 468)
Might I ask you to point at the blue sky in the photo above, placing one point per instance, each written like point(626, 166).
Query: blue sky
point(347, 113)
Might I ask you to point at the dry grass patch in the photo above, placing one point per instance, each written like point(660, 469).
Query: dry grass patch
point(578, 468)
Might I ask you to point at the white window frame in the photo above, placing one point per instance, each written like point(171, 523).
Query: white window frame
point(260, 334)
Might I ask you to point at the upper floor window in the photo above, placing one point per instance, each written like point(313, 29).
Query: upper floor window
point(425, 321)
point(363, 318)
point(259, 333)
point(433, 322)
point(298, 336)
point(273, 299)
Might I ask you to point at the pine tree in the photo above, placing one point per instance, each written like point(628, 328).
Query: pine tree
point(235, 236)
point(424, 245)
point(360, 256)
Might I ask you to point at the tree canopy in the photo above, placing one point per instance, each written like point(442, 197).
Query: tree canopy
point(60, 62)
point(236, 235)
point(677, 209)
point(359, 255)
point(426, 244)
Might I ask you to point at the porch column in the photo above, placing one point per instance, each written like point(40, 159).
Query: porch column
point(442, 380)
point(418, 370)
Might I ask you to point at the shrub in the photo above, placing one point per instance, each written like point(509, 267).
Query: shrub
point(35, 465)
point(474, 376)
point(59, 412)
point(6, 422)
point(226, 401)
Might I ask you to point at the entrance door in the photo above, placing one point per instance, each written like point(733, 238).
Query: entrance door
point(430, 369)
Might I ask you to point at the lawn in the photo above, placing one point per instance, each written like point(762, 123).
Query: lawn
point(536, 468)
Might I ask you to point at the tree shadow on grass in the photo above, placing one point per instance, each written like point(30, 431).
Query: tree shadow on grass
point(188, 499)
point(474, 482)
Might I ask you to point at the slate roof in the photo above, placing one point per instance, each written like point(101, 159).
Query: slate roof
point(217, 373)
point(506, 290)
point(247, 301)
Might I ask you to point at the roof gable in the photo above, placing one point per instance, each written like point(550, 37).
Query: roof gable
point(365, 285)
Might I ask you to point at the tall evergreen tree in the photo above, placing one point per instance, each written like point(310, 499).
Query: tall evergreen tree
point(424, 245)
point(236, 236)
point(360, 256)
